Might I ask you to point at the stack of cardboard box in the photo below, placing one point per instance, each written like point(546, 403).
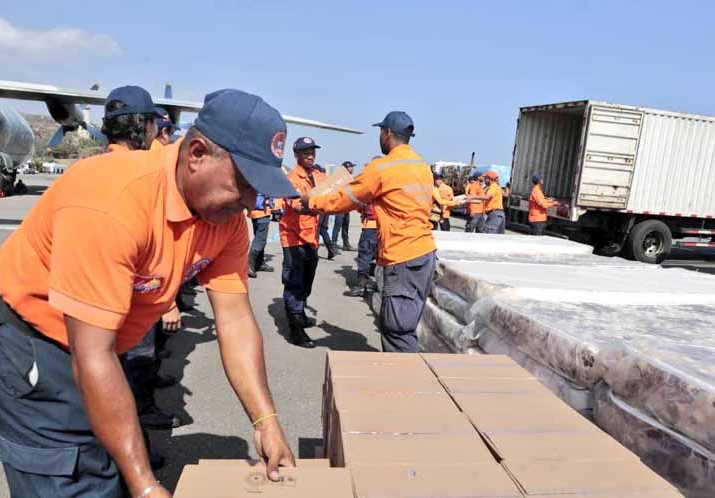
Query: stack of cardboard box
point(467, 425)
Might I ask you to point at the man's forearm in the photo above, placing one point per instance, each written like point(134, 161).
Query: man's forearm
point(110, 406)
point(241, 348)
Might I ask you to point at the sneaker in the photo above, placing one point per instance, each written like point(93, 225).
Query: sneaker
point(251, 273)
point(154, 418)
point(266, 268)
point(356, 291)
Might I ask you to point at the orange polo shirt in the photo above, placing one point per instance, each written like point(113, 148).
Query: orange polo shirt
point(475, 188)
point(538, 204)
point(496, 201)
point(447, 194)
point(117, 148)
point(299, 229)
point(400, 187)
point(110, 243)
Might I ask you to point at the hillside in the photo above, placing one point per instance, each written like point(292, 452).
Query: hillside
point(73, 146)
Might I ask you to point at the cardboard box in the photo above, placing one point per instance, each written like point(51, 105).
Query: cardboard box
point(378, 365)
point(625, 479)
point(339, 177)
point(250, 481)
point(475, 366)
point(524, 414)
point(427, 481)
point(242, 463)
point(556, 446)
point(383, 420)
point(490, 385)
point(426, 449)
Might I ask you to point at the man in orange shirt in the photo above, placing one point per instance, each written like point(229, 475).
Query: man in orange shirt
point(447, 194)
point(95, 263)
point(261, 220)
point(538, 205)
point(475, 209)
point(367, 249)
point(494, 206)
point(399, 185)
point(165, 128)
point(299, 238)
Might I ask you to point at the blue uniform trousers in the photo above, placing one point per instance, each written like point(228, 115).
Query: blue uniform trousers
point(367, 249)
point(47, 445)
point(404, 294)
point(299, 265)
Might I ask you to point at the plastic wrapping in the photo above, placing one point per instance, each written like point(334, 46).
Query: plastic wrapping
point(682, 461)
point(477, 244)
point(16, 136)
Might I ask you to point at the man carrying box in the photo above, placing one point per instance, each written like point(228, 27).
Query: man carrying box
point(399, 185)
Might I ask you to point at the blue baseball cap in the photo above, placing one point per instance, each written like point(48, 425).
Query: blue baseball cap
point(537, 178)
point(399, 122)
point(253, 133)
point(136, 100)
point(164, 120)
point(304, 143)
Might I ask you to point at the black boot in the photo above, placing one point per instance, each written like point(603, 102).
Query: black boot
point(360, 287)
point(304, 320)
point(331, 252)
point(252, 265)
point(265, 267)
point(298, 335)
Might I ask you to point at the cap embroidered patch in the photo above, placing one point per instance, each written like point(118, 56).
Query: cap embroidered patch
point(278, 144)
point(308, 140)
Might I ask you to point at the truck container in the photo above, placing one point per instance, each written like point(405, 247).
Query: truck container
point(630, 180)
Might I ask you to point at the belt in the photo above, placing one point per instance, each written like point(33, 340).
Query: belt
point(11, 317)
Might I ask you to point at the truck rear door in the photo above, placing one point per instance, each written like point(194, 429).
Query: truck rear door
point(609, 157)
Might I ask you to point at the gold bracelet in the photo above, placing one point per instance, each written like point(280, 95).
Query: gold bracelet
point(264, 418)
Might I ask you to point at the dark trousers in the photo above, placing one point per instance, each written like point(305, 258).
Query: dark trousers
point(141, 366)
point(404, 294)
point(47, 445)
point(299, 265)
point(538, 227)
point(495, 222)
point(475, 223)
point(324, 220)
point(444, 225)
point(260, 236)
point(367, 250)
point(342, 224)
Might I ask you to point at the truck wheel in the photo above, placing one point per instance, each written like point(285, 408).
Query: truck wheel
point(650, 241)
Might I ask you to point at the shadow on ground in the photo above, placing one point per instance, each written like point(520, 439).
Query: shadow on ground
point(339, 339)
point(189, 448)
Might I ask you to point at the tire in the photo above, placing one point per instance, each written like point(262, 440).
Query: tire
point(650, 241)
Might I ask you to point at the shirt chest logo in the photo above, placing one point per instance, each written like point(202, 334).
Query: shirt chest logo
point(196, 268)
point(147, 284)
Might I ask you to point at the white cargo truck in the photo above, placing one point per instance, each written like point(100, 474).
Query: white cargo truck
point(631, 180)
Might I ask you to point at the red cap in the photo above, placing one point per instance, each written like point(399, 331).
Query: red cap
point(492, 174)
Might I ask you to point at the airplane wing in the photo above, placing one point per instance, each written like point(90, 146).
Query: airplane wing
point(33, 91)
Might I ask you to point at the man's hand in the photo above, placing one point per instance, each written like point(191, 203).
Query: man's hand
point(305, 206)
point(171, 321)
point(159, 492)
point(272, 447)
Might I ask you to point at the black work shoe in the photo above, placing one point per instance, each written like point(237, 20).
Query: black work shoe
point(154, 418)
point(336, 251)
point(356, 291)
point(266, 268)
point(305, 321)
point(331, 255)
point(349, 248)
point(371, 285)
point(164, 381)
point(251, 273)
point(300, 338)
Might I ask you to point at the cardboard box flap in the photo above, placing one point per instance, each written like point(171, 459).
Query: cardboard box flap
point(242, 463)
point(425, 481)
point(556, 446)
point(377, 420)
point(388, 385)
point(403, 402)
point(251, 481)
point(382, 449)
point(491, 385)
point(506, 412)
point(624, 478)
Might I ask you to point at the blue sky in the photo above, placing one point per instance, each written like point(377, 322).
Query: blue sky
point(461, 69)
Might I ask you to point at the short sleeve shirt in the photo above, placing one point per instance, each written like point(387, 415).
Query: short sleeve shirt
point(110, 243)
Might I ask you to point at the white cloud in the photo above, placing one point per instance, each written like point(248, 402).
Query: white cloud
point(55, 43)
